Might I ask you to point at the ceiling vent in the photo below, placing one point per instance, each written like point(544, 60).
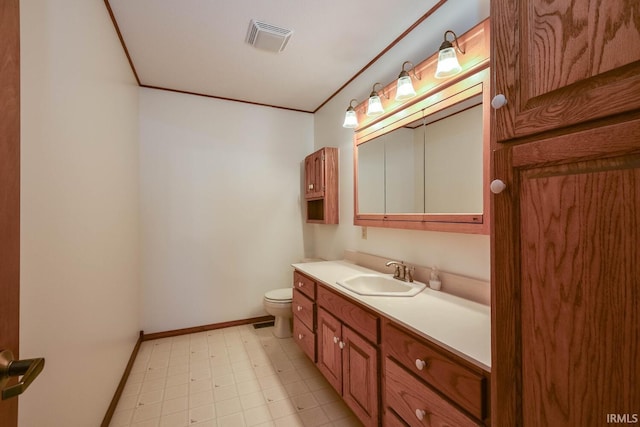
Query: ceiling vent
point(268, 37)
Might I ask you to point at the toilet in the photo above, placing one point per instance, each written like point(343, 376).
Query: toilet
point(277, 302)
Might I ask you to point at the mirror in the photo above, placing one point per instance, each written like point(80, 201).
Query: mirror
point(402, 171)
point(427, 167)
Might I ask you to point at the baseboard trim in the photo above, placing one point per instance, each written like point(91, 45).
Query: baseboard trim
point(123, 382)
point(156, 335)
point(204, 328)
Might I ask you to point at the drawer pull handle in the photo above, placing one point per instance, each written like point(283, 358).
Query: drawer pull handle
point(421, 364)
point(335, 340)
point(420, 414)
point(300, 284)
point(341, 344)
point(299, 308)
point(300, 336)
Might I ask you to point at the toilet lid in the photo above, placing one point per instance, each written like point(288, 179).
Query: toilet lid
point(282, 294)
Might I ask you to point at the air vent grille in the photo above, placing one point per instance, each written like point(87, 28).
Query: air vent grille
point(267, 37)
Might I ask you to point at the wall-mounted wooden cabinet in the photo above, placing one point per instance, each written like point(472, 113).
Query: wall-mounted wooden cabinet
point(321, 186)
point(409, 170)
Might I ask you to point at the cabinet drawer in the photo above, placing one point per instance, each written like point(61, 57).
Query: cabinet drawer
point(409, 398)
point(303, 309)
point(460, 384)
point(358, 319)
point(304, 284)
point(305, 338)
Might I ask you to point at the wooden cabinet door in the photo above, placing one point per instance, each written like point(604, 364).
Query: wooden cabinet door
point(564, 62)
point(360, 376)
point(309, 178)
point(329, 335)
point(314, 175)
point(567, 279)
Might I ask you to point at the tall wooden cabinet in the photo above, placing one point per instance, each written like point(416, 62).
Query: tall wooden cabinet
point(565, 231)
point(321, 186)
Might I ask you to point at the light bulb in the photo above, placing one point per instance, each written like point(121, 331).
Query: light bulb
point(448, 64)
point(404, 89)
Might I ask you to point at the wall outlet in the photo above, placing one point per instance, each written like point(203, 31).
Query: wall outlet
point(364, 233)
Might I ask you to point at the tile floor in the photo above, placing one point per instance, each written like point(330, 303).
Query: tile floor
point(233, 377)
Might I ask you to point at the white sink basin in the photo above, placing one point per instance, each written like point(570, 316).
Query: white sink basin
point(382, 285)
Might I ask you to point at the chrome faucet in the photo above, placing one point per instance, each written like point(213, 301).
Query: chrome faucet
point(402, 272)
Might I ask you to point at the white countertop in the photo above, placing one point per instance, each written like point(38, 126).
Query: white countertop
point(459, 325)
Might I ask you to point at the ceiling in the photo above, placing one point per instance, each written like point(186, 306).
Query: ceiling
point(198, 46)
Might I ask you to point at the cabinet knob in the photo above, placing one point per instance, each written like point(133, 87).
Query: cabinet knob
point(498, 101)
point(300, 336)
point(497, 186)
point(310, 186)
point(299, 308)
point(341, 344)
point(420, 414)
point(300, 284)
point(421, 364)
point(335, 340)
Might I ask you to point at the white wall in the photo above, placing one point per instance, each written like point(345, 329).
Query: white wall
point(220, 206)
point(459, 253)
point(79, 219)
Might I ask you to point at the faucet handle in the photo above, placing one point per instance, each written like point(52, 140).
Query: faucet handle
point(410, 271)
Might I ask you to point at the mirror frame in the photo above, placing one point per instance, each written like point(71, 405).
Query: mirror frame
point(433, 96)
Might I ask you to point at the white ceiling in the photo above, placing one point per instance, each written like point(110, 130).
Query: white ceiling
point(198, 46)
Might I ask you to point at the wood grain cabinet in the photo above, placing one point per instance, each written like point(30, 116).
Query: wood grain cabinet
point(563, 63)
point(347, 360)
point(304, 313)
point(424, 385)
point(565, 232)
point(374, 362)
point(321, 186)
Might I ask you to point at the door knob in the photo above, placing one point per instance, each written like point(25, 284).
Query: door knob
point(29, 369)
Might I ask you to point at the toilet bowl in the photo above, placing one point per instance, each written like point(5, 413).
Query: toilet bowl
point(277, 303)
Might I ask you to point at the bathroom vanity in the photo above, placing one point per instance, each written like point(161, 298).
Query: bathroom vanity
point(396, 361)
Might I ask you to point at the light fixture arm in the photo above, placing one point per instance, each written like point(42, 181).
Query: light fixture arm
point(446, 43)
point(375, 93)
point(405, 73)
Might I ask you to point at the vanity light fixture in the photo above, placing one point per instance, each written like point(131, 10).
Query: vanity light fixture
point(374, 107)
point(448, 64)
point(404, 88)
point(350, 117)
